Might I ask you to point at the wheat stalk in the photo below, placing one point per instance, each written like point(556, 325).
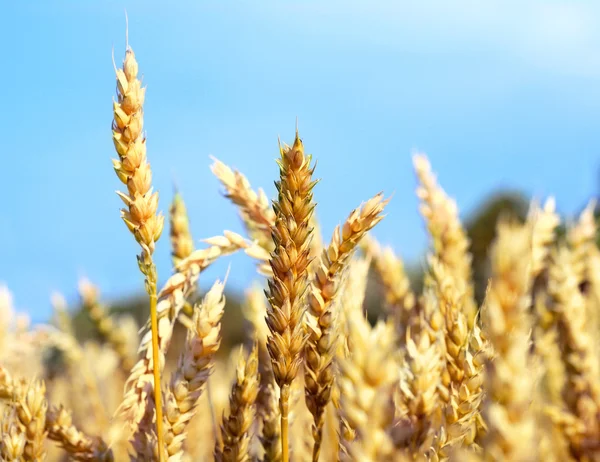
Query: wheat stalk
point(320, 319)
point(140, 216)
point(289, 262)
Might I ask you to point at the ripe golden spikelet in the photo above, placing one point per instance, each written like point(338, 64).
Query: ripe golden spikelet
point(416, 398)
point(510, 380)
point(31, 407)
point(182, 244)
point(320, 318)
point(316, 244)
point(289, 262)
point(270, 437)
point(193, 369)
point(79, 445)
point(105, 324)
point(236, 429)
point(450, 241)
point(256, 213)
point(12, 437)
point(464, 363)
point(132, 168)
point(255, 312)
point(581, 393)
point(389, 268)
point(367, 378)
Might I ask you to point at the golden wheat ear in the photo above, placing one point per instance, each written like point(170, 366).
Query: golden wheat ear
point(289, 262)
point(449, 238)
point(236, 429)
point(140, 214)
point(510, 381)
point(182, 244)
point(400, 301)
point(321, 318)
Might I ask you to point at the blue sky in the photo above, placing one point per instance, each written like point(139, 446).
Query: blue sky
point(499, 94)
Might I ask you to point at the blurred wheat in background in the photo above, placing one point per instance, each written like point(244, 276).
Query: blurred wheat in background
point(492, 361)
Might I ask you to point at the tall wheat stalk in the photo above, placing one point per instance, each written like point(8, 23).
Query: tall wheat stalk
point(289, 262)
point(140, 216)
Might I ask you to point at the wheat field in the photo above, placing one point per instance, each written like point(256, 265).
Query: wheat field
point(438, 377)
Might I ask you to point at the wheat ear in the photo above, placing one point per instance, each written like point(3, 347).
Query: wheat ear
point(399, 298)
point(12, 437)
point(320, 319)
point(366, 381)
point(450, 241)
point(289, 262)
point(182, 244)
point(581, 393)
point(270, 437)
point(193, 369)
point(509, 383)
point(31, 407)
point(420, 382)
point(78, 445)
point(464, 361)
point(236, 429)
point(257, 215)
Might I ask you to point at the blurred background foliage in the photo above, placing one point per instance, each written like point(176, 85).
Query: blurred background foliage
point(480, 226)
